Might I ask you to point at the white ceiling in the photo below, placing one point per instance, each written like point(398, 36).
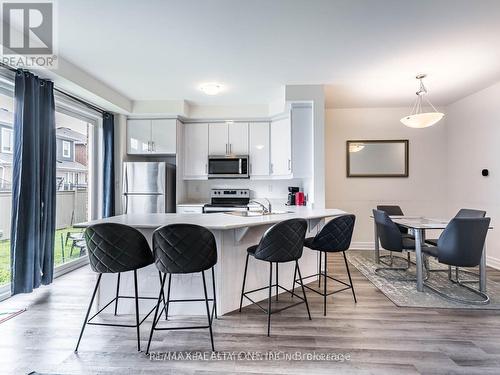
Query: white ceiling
point(366, 51)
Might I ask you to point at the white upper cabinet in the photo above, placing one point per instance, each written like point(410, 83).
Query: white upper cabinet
point(138, 136)
point(281, 148)
point(238, 138)
point(157, 136)
point(218, 139)
point(228, 138)
point(195, 151)
point(259, 151)
point(163, 136)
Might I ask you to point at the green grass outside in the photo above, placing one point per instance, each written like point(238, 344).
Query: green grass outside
point(5, 253)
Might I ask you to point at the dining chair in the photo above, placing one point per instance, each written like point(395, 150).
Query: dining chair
point(463, 212)
point(394, 210)
point(392, 239)
point(461, 245)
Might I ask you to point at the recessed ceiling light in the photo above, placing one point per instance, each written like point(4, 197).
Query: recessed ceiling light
point(211, 88)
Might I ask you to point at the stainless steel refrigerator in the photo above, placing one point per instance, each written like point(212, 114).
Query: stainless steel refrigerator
point(148, 187)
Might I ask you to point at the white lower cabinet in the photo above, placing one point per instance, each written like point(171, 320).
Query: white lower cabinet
point(189, 209)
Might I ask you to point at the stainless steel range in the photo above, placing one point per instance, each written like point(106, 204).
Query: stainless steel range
point(227, 200)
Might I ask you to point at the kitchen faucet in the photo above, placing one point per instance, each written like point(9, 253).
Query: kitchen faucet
point(265, 210)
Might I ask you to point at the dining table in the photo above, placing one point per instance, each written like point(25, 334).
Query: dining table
point(419, 225)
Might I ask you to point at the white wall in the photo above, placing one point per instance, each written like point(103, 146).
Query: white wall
point(473, 144)
point(422, 193)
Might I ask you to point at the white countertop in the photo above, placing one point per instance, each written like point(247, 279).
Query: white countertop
point(215, 221)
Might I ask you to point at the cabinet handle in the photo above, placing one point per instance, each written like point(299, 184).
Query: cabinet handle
point(272, 168)
point(226, 150)
point(289, 164)
point(230, 148)
point(149, 146)
point(250, 168)
point(206, 168)
point(152, 146)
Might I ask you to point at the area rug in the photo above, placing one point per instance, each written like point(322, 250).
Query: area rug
point(405, 294)
point(6, 315)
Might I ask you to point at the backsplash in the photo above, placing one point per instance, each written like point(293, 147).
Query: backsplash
point(277, 190)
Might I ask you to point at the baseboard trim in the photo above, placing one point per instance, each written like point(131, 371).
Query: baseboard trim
point(490, 261)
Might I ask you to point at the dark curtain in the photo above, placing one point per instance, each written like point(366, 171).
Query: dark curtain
point(108, 200)
point(33, 184)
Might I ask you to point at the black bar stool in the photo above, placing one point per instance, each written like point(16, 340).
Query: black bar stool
point(334, 237)
point(181, 249)
point(116, 248)
point(283, 242)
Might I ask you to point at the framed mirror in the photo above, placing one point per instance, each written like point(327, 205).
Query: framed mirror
point(377, 158)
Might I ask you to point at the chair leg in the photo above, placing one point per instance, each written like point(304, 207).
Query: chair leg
point(160, 294)
point(319, 271)
point(269, 299)
point(117, 292)
point(208, 311)
point(294, 278)
point(62, 247)
point(244, 278)
point(163, 294)
point(277, 290)
point(213, 290)
point(168, 294)
point(350, 280)
point(325, 286)
point(137, 312)
point(88, 311)
point(303, 289)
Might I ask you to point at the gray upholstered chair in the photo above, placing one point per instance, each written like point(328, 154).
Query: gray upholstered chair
point(392, 239)
point(461, 245)
point(394, 210)
point(463, 212)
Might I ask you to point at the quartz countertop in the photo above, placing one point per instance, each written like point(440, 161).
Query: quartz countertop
point(215, 221)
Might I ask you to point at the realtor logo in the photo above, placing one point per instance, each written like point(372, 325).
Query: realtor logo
point(27, 28)
point(28, 34)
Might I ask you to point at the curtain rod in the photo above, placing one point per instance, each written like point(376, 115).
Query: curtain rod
point(72, 97)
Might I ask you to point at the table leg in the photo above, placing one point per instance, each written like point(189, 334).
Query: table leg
point(377, 249)
point(418, 255)
point(482, 271)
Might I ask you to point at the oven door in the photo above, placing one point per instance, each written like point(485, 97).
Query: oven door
point(228, 167)
point(211, 209)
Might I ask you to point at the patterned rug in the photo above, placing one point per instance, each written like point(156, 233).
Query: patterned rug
point(405, 294)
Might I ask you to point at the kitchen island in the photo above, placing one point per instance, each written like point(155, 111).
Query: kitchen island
point(233, 234)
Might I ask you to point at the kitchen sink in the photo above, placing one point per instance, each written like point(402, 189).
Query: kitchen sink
point(257, 213)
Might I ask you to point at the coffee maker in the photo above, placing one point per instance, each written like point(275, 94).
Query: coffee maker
point(291, 195)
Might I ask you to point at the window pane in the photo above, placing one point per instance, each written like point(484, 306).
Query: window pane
point(72, 141)
point(6, 142)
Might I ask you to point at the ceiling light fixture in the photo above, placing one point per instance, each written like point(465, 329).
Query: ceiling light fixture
point(417, 118)
point(211, 88)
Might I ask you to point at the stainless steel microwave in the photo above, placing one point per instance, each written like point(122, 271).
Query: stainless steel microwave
point(233, 166)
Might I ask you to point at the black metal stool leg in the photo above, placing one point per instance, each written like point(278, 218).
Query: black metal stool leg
point(137, 312)
point(117, 291)
point(350, 280)
point(88, 311)
point(294, 278)
point(269, 299)
point(208, 311)
point(213, 288)
point(319, 270)
point(163, 294)
point(155, 320)
point(244, 278)
point(168, 294)
point(303, 290)
point(325, 286)
point(277, 290)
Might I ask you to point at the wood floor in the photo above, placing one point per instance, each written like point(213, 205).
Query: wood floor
point(379, 337)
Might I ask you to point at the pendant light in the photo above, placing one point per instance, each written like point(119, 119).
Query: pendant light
point(417, 118)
